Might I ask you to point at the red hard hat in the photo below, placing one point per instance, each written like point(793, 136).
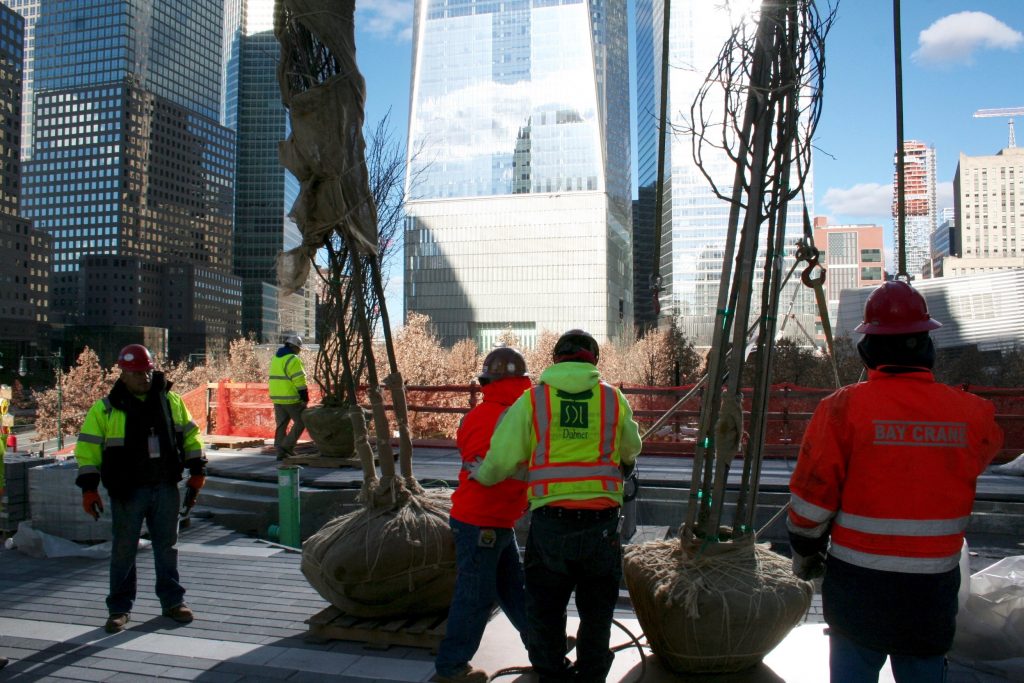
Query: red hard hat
point(896, 308)
point(503, 362)
point(135, 358)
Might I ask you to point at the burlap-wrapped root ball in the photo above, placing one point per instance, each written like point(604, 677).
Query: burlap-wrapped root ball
point(386, 562)
point(721, 610)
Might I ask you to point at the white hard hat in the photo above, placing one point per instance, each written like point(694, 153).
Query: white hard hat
point(294, 340)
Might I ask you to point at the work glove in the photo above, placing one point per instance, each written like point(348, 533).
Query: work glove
point(196, 481)
point(809, 567)
point(92, 503)
point(304, 397)
point(472, 466)
point(630, 481)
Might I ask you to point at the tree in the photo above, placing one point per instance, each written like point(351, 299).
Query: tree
point(81, 386)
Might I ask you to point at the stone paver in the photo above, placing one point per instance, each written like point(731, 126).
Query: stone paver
point(251, 601)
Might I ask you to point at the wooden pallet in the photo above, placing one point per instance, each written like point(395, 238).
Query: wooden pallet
point(377, 634)
point(216, 441)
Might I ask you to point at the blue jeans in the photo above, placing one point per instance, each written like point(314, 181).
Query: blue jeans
point(564, 554)
point(485, 573)
point(853, 663)
point(158, 505)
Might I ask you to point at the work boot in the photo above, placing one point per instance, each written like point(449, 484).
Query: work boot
point(116, 622)
point(466, 674)
point(180, 613)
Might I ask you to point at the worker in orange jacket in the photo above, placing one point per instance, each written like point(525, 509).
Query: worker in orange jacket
point(488, 569)
point(887, 473)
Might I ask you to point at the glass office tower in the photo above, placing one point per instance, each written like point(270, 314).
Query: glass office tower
point(518, 185)
point(264, 190)
point(694, 220)
point(131, 165)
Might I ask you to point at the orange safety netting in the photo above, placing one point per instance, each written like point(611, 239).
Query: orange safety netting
point(239, 409)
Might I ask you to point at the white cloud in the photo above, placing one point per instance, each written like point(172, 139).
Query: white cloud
point(385, 19)
point(954, 39)
point(861, 200)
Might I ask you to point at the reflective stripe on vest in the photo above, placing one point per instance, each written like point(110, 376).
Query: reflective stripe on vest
point(902, 527)
point(542, 472)
point(894, 563)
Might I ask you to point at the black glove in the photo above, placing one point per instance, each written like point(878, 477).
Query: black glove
point(304, 395)
point(809, 567)
point(630, 481)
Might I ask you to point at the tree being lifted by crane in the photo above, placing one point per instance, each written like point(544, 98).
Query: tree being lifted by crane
point(712, 600)
point(1004, 113)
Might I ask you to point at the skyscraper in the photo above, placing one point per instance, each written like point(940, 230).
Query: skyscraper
point(131, 173)
point(29, 10)
point(922, 207)
point(854, 256)
point(694, 220)
point(518, 184)
point(988, 193)
point(25, 252)
point(264, 190)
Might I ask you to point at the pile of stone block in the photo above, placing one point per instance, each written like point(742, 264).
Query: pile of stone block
point(14, 506)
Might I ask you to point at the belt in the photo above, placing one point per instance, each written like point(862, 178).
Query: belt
point(557, 512)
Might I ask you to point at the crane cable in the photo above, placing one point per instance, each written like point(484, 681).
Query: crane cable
point(901, 193)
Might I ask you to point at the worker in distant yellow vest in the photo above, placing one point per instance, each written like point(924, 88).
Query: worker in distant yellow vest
point(288, 392)
point(576, 437)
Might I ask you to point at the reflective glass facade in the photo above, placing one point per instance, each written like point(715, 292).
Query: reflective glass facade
point(29, 10)
point(694, 222)
point(24, 251)
point(265, 191)
point(129, 159)
point(517, 192)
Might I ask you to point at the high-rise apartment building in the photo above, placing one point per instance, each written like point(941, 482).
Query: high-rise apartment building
point(921, 206)
point(518, 186)
point(694, 220)
point(130, 165)
point(24, 251)
point(988, 193)
point(854, 257)
point(264, 190)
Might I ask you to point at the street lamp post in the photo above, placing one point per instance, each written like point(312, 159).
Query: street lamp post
point(57, 358)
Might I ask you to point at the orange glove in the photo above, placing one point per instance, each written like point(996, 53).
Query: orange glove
point(92, 503)
point(196, 481)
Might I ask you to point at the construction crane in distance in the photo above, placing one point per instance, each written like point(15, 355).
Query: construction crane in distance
point(1007, 112)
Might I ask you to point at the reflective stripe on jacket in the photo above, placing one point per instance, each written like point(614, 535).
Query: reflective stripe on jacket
point(572, 431)
point(888, 469)
point(104, 429)
point(287, 376)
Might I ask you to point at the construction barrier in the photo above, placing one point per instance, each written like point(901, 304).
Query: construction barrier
point(244, 409)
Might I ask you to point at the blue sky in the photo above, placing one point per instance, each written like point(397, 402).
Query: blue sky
point(958, 56)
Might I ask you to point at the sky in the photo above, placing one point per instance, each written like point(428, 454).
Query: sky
point(958, 56)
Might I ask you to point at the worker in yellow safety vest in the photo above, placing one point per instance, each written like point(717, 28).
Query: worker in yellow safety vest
point(576, 438)
point(289, 395)
point(136, 441)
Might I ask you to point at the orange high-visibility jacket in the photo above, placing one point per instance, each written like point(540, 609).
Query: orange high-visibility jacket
point(888, 467)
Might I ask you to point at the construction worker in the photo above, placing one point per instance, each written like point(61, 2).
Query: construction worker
point(577, 438)
point(887, 472)
point(488, 570)
point(289, 394)
point(136, 441)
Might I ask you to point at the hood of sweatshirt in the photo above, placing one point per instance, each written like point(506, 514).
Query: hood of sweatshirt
point(571, 377)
